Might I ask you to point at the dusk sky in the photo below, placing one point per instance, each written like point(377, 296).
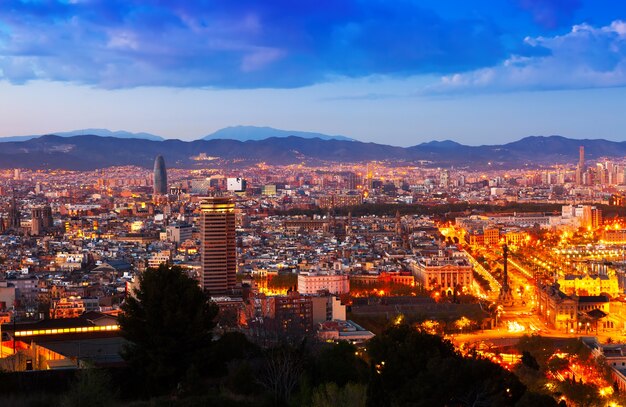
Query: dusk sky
point(395, 72)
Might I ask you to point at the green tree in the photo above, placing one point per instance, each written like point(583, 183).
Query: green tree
point(168, 323)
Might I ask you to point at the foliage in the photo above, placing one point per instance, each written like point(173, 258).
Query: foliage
point(168, 324)
point(329, 394)
point(282, 369)
point(92, 388)
point(540, 348)
point(582, 394)
point(339, 364)
point(413, 367)
point(529, 361)
point(530, 399)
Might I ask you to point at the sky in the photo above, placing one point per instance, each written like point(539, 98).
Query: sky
point(396, 72)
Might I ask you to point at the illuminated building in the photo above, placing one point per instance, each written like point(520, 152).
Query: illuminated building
point(269, 190)
point(219, 255)
point(72, 307)
point(337, 201)
point(443, 272)
point(158, 258)
point(589, 285)
point(160, 176)
point(558, 309)
point(313, 282)
point(570, 314)
point(236, 184)
point(580, 168)
point(614, 236)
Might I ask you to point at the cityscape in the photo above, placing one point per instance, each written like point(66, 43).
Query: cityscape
point(450, 248)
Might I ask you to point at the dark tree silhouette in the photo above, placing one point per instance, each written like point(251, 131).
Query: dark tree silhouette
point(168, 323)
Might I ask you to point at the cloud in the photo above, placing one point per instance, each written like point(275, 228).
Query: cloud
point(585, 57)
point(551, 13)
point(234, 44)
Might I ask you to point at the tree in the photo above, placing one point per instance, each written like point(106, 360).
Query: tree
point(92, 388)
point(415, 368)
point(340, 364)
point(529, 361)
point(168, 323)
point(329, 394)
point(282, 369)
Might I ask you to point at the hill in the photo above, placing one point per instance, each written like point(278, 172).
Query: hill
point(90, 152)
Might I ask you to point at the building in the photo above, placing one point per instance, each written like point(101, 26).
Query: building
point(218, 248)
point(160, 176)
point(443, 273)
point(41, 220)
point(294, 312)
point(236, 184)
point(314, 282)
point(574, 314)
point(589, 285)
point(158, 258)
point(336, 201)
point(73, 307)
point(178, 233)
point(343, 331)
point(269, 190)
point(558, 309)
point(14, 219)
point(613, 236)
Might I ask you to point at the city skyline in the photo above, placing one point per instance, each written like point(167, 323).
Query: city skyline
point(473, 73)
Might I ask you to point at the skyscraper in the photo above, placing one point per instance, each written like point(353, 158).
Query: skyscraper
point(581, 156)
point(580, 168)
point(160, 176)
point(219, 255)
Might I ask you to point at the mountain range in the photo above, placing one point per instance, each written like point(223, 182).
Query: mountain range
point(89, 152)
point(92, 132)
point(247, 133)
point(240, 133)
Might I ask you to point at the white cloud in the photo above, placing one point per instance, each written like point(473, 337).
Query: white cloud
point(585, 57)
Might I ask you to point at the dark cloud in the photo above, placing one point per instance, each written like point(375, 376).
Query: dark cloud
point(551, 13)
point(239, 44)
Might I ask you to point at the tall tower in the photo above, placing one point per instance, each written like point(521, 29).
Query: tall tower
point(160, 176)
point(580, 168)
point(14, 222)
point(581, 156)
point(219, 254)
point(506, 296)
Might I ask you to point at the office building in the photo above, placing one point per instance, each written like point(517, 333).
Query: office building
point(160, 176)
point(236, 184)
point(219, 255)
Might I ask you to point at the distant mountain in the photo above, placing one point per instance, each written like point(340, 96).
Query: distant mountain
point(91, 152)
point(247, 133)
point(91, 132)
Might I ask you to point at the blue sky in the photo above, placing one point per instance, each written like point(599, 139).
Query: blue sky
point(397, 72)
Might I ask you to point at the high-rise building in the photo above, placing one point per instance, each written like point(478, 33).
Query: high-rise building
point(160, 176)
point(219, 255)
point(580, 168)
